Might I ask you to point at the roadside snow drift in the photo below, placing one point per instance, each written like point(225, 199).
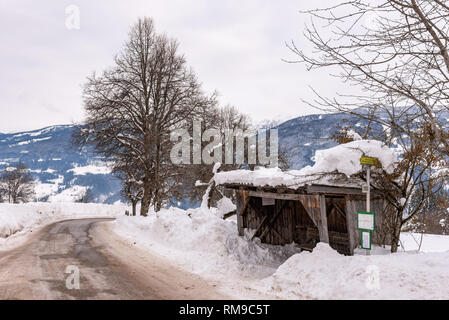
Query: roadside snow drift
point(202, 243)
point(325, 274)
point(198, 241)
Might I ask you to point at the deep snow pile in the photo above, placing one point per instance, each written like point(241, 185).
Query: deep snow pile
point(198, 241)
point(325, 274)
point(201, 242)
point(344, 158)
point(22, 217)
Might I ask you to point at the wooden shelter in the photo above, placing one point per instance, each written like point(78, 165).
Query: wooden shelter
point(305, 215)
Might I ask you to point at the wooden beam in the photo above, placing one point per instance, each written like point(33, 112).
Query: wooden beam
point(333, 190)
point(229, 214)
point(350, 222)
point(270, 223)
point(259, 227)
point(339, 210)
point(279, 235)
point(242, 204)
point(279, 192)
point(245, 197)
point(311, 204)
point(272, 195)
point(323, 229)
point(315, 206)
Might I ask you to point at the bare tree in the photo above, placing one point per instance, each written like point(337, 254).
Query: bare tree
point(132, 107)
point(222, 119)
point(399, 65)
point(17, 184)
point(133, 191)
point(433, 217)
point(131, 176)
point(394, 50)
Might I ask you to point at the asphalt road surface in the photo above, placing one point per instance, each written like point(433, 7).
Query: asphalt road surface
point(48, 265)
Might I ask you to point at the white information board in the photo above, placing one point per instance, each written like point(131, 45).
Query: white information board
point(365, 221)
point(366, 240)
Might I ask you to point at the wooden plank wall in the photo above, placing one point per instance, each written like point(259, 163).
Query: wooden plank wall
point(315, 207)
point(337, 224)
point(283, 224)
point(304, 228)
point(353, 205)
point(294, 224)
point(240, 217)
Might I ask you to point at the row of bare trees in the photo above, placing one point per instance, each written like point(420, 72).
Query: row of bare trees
point(394, 55)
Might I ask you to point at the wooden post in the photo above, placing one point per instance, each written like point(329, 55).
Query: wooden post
point(245, 200)
point(350, 223)
point(242, 204)
point(323, 229)
point(315, 206)
point(240, 227)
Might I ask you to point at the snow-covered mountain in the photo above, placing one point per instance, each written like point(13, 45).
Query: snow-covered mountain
point(301, 137)
point(63, 172)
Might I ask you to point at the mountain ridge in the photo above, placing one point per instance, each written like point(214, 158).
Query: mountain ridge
point(63, 172)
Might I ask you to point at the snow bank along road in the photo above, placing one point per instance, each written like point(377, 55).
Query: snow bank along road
point(108, 267)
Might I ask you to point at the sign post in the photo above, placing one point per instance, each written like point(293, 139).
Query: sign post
point(365, 220)
point(368, 193)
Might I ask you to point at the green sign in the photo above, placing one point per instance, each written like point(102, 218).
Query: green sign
point(365, 221)
point(366, 240)
point(370, 161)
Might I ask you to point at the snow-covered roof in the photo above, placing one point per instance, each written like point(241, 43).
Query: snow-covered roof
point(274, 177)
point(335, 167)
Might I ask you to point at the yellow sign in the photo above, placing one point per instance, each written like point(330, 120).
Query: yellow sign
point(370, 161)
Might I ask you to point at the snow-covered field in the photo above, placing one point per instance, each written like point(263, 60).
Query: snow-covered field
point(430, 242)
point(199, 242)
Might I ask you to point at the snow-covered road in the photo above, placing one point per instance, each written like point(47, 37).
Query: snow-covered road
point(108, 267)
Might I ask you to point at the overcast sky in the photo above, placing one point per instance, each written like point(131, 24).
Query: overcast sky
point(235, 47)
